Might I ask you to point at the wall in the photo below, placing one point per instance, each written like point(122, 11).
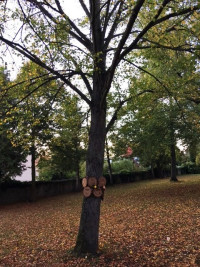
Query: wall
point(21, 192)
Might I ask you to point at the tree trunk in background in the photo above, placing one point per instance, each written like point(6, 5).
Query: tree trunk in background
point(109, 165)
point(77, 170)
point(193, 151)
point(87, 240)
point(77, 178)
point(173, 154)
point(33, 174)
point(173, 163)
point(152, 170)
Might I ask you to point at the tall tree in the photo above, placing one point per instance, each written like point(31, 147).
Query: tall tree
point(12, 155)
point(33, 114)
point(94, 49)
point(66, 151)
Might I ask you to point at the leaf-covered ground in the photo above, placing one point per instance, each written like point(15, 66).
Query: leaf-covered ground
point(151, 223)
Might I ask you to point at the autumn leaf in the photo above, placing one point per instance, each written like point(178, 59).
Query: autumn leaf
point(151, 223)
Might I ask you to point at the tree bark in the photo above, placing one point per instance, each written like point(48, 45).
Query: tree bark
point(193, 151)
point(33, 171)
point(173, 163)
point(152, 170)
point(77, 178)
point(77, 169)
point(173, 155)
point(109, 165)
point(87, 240)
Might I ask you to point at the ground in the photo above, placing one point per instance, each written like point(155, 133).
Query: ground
point(149, 223)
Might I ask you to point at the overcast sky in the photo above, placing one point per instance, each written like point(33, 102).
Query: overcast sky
point(72, 9)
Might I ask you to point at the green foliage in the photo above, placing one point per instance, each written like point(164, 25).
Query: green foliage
point(122, 166)
point(66, 152)
point(162, 109)
point(34, 94)
point(191, 167)
point(12, 158)
point(46, 171)
point(12, 155)
point(198, 160)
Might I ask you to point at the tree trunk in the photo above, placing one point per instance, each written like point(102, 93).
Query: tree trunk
point(87, 240)
point(77, 169)
point(152, 171)
point(173, 154)
point(173, 164)
point(33, 171)
point(109, 165)
point(77, 178)
point(193, 151)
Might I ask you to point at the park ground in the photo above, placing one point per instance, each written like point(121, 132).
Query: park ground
point(149, 223)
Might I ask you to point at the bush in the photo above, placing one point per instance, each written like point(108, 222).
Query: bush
point(191, 167)
point(120, 166)
point(198, 160)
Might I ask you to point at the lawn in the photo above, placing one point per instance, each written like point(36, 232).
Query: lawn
point(150, 223)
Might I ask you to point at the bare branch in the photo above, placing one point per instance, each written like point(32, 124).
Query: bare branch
point(24, 51)
point(126, 33)
point(85, 8)
point(115, 23)
point(185, 48)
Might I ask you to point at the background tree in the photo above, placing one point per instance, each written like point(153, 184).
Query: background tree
point(94, 49)
point(66, 151)
point(12, 155)
point(163, 117)
point(34, 114)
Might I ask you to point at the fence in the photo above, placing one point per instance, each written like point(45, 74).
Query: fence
point(21, 191)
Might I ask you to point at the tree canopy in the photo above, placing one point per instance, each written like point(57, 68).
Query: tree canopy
point(12, 154)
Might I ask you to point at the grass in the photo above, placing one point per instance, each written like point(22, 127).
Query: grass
point(150, 223)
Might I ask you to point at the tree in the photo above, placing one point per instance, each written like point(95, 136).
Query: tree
point(12, 156)
point(65, 148)
point(164, 116)
point(34, 114)
point(94, 49)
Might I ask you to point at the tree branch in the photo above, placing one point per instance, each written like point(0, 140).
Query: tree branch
point(114, 117)
point(176, 48)
point(154, 22)
point(29, 23)
point(126, 34)
point(78, 35)
point(115, 24)
point(85, 8)
point(121, 103)
point(24, 51)
point(150, 74)
point(30, 93)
